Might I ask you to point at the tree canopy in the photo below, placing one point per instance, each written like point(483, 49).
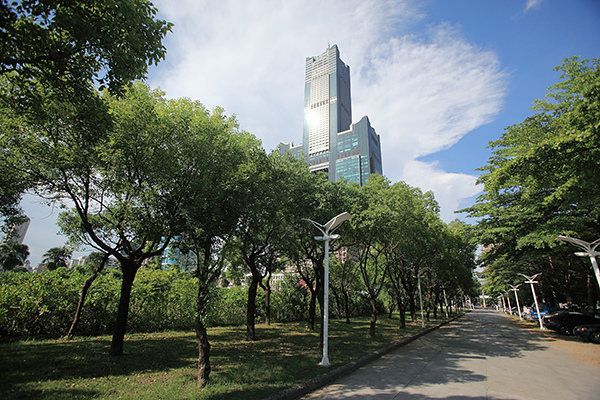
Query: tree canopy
point(543, 181)
point(56, 54)
point(69, 45)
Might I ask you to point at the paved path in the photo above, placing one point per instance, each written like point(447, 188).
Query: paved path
point(479, 356)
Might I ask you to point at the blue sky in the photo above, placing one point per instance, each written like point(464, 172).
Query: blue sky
point(438, 79)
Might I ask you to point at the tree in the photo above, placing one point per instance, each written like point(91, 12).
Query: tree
point(265, 225)
point(55, 52)
point(544, 176)
point(12, 254)
point(57, 257)
point(318, 200)
point(95, 262)
point(68, 45)
point(343, 280)
point(213, 215)
point(127, 180)
point(371, 229)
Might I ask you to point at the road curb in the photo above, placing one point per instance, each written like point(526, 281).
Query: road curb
point(304, 388)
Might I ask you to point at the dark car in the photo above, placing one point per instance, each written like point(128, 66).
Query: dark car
point(588, 332)
point(564, 322)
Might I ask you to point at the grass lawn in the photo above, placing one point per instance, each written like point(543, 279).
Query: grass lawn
point(163, 365)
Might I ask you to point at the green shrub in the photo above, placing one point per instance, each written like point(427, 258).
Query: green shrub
point(227, 306)
point(290, 303)
point(37, 304)
point(44, 304)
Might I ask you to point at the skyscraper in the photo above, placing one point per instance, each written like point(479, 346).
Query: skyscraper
point(16, 233)
point(331, 143)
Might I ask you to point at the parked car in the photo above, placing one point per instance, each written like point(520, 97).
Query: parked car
point(564, 322)
point(545, 309)
point(588, 332)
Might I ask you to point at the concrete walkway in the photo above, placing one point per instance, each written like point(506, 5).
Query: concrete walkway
point(479, 356)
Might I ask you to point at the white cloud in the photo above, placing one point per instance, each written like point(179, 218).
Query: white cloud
point(429, 92)
point(249, 56)
point(449, 188)
point(532, 4)
point(422, 93)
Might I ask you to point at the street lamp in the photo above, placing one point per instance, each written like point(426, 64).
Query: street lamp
point(421, 300)
point(590, 251)
point(515, 289)
point(445, 300)
point(503, 302)
point(327, 231)
point(530, 280)
point(509, 305)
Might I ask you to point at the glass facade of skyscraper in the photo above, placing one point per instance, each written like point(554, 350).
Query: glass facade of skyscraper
point(330, 143)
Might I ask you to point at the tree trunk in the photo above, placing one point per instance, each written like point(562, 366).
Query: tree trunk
point(251, 311)
point(203, 344)
point(402, 310)
point(312, 310)
point(373, 318)
point(320, 299)
point(129, 271)
point(268, 300)
point(83, 295)
point(338, 303)
point(347, 306)
point(413, 308)
point(205, 280)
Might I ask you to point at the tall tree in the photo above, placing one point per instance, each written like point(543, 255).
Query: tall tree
point(318, 200)
point(544, 176)
point(371, 229)
point(69, 45)
point(60, 51)
point(12, 254)
point(274, 195)
point(127, 180)
point(57, 257)
point(407, 207)
point(213, 213)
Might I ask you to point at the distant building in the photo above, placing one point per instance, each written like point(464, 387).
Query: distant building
point(16, 233)
point(331, 143)
point(77, 261)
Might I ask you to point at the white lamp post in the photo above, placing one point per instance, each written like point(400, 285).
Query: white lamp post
point(515, 289)
point(530, 280)
point(590, 251)
point(445, 300)
point(421, 301)
point(509, 305)
point(327, 231)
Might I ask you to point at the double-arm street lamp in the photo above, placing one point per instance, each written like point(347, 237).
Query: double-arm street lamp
point(516, 289)
point(530, 280)
point(509, 305)
point(327, 231)
point(421, 300)
point(589, 251)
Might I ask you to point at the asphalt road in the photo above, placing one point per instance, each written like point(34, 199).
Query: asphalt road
point(479, 356)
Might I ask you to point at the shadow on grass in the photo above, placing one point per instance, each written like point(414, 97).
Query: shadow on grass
point(164, 364)
point(27, 364)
